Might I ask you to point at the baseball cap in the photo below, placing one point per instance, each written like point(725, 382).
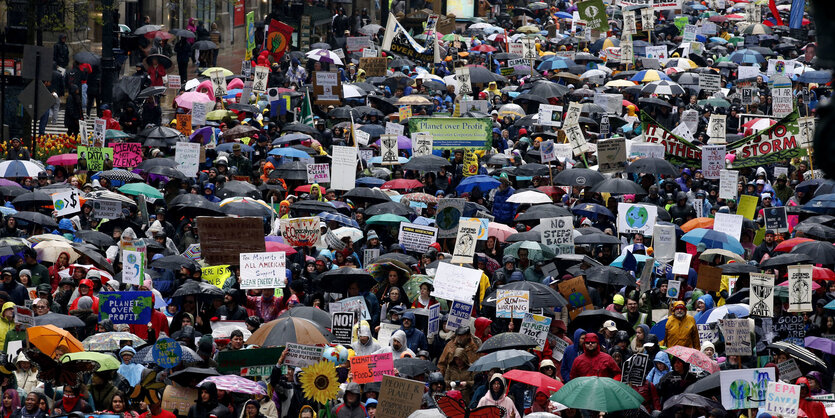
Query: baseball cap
point(610, 325)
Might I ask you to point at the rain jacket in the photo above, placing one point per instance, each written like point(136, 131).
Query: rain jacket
point(28, 379)
point(654, 376)
point(210, 197)
point(571, 353)
point(5, 325)
point(502, 400)
point(316, 186)
point(204, 409)
point(470, 352)
point(681, 332)
point(344, 410)
point(368, 348)
point(400, 336)
point(414, 337)
point(594, 363)
point(708, 301)
point(502, 209)
point(89, 284)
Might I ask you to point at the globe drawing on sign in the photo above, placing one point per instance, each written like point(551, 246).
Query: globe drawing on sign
point(637, 217)
point(448, 218)
point(131, 258)
point(672, 292)
point(59, 205)
point(577, 299)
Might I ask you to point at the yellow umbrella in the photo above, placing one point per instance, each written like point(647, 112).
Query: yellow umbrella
point(209, 71)
point(619, 83)
point(528, 29)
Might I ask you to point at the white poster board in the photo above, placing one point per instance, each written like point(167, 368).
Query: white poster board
point(187, 157)
point(263, 270)
point(455, 282)
point(343, 168)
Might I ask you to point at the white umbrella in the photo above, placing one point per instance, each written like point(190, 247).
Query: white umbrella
point(530, 197)
point(50, 250)
point(347, 231)
point(323, 55)
point(662, 87)
point(349, 91)
point(19, 168)
point(192, 84)
point(429, 76)
point(593, 74)
point(480, 25)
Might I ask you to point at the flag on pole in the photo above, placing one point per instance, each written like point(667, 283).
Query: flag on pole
point(278, 39)
point(796, 16)
point(307, 110)
point(774, 12)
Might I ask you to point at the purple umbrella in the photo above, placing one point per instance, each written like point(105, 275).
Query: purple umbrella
point(4, 182)
point(205, 132)
point(237, 384)
point(823, 344)
point(273, 238)
point(402, 142)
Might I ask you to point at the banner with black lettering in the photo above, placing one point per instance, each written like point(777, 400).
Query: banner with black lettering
point(677, 150)
point(778, 142)
point(397, 40)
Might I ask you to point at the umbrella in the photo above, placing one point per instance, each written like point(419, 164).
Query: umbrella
point(507, 340)
point(618, 186)
point(190, 376)
point(822, 344)
point(598, 394)
point(189, 98)
point(365, 194)
point(105, 361)
point(19, 168)
point(709, 254)
point(411, 367)
point(316, 315)
point(533, 378)
point(593, 320)
point(143, 189)
point(338, 218)
point(503, 359)
point(338, 281)
point(819, 251)
point(595, 239)
point(48, 338)
point(738, 268)
point(655, 166)
point(237, 188)
point(536, 250)
point(279, 332)
point(110, 341)
point(787, 245)
point(401, 184)
point(193, 288)
point(530, 197)
point(538, 212)
point(799, 353)
point(715, 239)
point(390, 207)
point(785, 260)
point(541, 296)
point(171, 262)
point(426, 163)
point(610, 275)
point(50, 250)
point(704, 384)
point(692, 399)
point(92, 253)
point(386, 218)
point(234, 383)
point(592, 210)
point(662, 87)
point(162, 134)
point(59, 320)
point(118, 174)
point(245, 206)
point(715, 314)
point(695, 357)
point(578, 177)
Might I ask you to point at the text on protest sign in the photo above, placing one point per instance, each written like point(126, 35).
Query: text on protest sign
point(512, 303)
point(416, 237)
point(459, 315)
point(371, 368)
point(223, 239)
point(536, 327)
point(341, 326)
point(263, 270)
point(455, 282)
point(127, 154)
point(126, 307)
point(301, 232)
point(318, 173)
point(300, 355)
point(558, 234)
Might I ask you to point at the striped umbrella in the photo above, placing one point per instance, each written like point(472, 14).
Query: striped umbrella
point(662, 87)
point(19, 168)
point(647, 76)
point(234, 383)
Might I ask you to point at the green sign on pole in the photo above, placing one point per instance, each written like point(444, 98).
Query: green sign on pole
point(594, 13)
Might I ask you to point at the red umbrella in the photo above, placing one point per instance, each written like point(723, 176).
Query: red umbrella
point(303, 189)
point(159, 35)
point(484, 48)
point(551, 191)
point(534, 379)
point(815, 286)
point(695, 357)
point(819, 273)
point(628, 103)
point(788, 244)
point(63, 159)
point(401, 184)
point(273, 247)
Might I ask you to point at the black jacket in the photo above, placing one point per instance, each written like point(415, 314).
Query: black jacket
point(61, 54)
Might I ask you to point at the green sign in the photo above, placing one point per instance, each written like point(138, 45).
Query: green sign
point(250, 34)
point(456, 133)
point(681, 22)
point(233, 361)
point(95, 157)
point(252, 371)
point(594, 13)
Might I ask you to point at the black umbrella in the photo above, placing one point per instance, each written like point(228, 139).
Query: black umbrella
point(127, 88)
point(246, 207)
point(242, 107)
point(610, 275)
point(237, 188)
point(193, 205)
point(507, 341)
point(337, 281)
point(343, 112)
point(411, 367)
point(183, 33)
point(366, 194)
point(656, 166)
point(151, 91)
point(299, 127)
point(169, 172)
point(541, 296)
point(532, 169)
point(204, 45)
point(59, 320)
point(191, 376)
point(118, 174)
point(583, 177)
point(311, 207)
point(165, 134)
point(194, 288)
point(704, 384)
point(34, 199)
point(87, 57)
point(426, 163)
point(171, 262)
point(12, 191)
point(537, 212)
point(36, 218)
point(157, 162)
point(592, 320)
point(323, 318)
point(799, 353)
point(161, 60)
point(96, 238)
point(595, 239)
point(739, 268)
point(406, 259)
point(93, 254)
point(815, 230)
point(295, 170)
point(819, 251)
point(692, 399)
point(389, 207)
point(739, 296)
point(546, 89)
point(365, 111)
point(654, 102)
point(531, 235)
point(618, 186)
point(525, 98)
point(785, 260)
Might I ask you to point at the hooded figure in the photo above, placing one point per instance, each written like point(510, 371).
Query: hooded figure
point(402, 350)
point(130, 371)
point(6, 321)
point(414, 337)
point(681, 328)
point(497, 396)
point(253, 402)
point(593, 362)
point(571, 353)
point(708, 301)
point(207, 403)
point(661, 359)
point(365, 344)
point(25, 373)
point(351, 406)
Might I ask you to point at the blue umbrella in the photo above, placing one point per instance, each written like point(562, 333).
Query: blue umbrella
point(295, 136)
point(715, 314)
point(291, 153)
point(227, 147)
point(592, 210)
point(641, 258)
point(747, 56)
point(19, 168)
point(821, 204)
point(564, 15)
point(830, 305)
point(483, 183)
point(698, 7)
point(718, 40)
point(819, 77)
point(549, 65)
point(369, 182)
point(659, 329)
point(339, 218)
point(373, 130)
point(713, 239)
point(230, 94)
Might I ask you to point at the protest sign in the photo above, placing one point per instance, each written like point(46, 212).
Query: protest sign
point(414, 237)
point(737, 333)
point(66, 203)
point(807, 133)
point(782, 399)
point(99, 131)
point(263, 270)
point(710, 278)
point(557, 234)
point(358, 43)
point(399, 397)
point(462, 77)
point(178, 398)
point(572, 115)
point(536, 327)
point(658, 52)
point(575, 292)
point(421, 143)
point(455, 133)
point(663, 242)
point(788, 370)
point(257, 371)
point(447, 216)
point(648, 18)
point(318, 173)
point(259, 83)
point(710, 82)
point(558, 349)
point(776, 219)
point(459, 314)
point(466, 241)
point(218, 83)
point(133, 267)
point(370, 254)
point(550, 115)
point(547, 151)
point(343, 167)
point(729, 224)
point(327, 87)
point(782, 100)
point(96, 157)
point(199, 110)
point(727, 183)
point(355, 304)
point(594, 13)
point(341, 324)
point(455, 282)
point(167, 353)
point(611, 155)
point(635, 369)
point(24, 316)
point(300, 355)
point(388, 148)
point(790, 328)
point(374, 66)
point(216, 275)
point(681, 264)
point(512, 303)
point(689, 33)
point(634, 218)
point(126, 307)
point(384, 335)
point(716, 131)
point(174, 81)
point(187, 156)
point(127, 154)
point(232, 361)
point(301, 232)
point(184, 124)
point(713, 160)
point(708, 333)
point(761, 299)
point(371, 368)
point(434, 324)
point(800, 288)
point(747, 206)
point(222, 238)
point(673, 288)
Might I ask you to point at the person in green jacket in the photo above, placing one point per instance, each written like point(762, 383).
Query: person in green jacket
point(6, 322)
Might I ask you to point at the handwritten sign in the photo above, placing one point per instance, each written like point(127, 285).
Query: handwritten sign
point(199, 110)
point(681, 264)
point(418, 238)
point(399, 397)
point(127, 154)
point(466, 241)
point(459, 315)
point(318, 173)
point(354, 304)
point(800, 288)
point(512, 303)
point(167, 353)
point(558, 234)
point(301, 232)
point(371, 368)
point(187, 156)
point(455, 282)
point(300, 355)
point(133, 267)
point(66, 203)
point(263, 270)
point(737, 334)
point(536, 327)
point(216, 275)
point(782, 399)
point(789, 370)
point(126, 307)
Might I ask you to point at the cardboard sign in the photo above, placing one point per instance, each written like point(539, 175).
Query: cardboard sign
point(710, 278)
point(636, 368)
point(459, 315)
point(300, 355)
point(421, 143)
point(673, 289)
point(399, 397)
point(342, 322)
point(634, 218)
point(575, 292)
point(447, 216)
point(178, 398)
point(222, 239)
point(536, 327)
point(343, 167)
point(318, 173)
point(133, 267)
point(374, 66)
point(327, 88)
point(263, 270)
point(126, 307)
point(466, 241)
point(301, 232)
point(727, 183)
point(611, 155)
point(24, 316)
point(371, 368)
point(199, 111)
point(187, 156)
point(557, 234)
point(95, 157)
point(789, 370)
point(405, 112)
point(761, 300)
point(737, 333)
point(800, 288)
point(776, 219)
point(745, 388)
point(66, 203)
point(455, 282)
point(417, 238)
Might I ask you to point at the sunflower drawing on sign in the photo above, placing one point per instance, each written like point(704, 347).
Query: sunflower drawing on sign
point(319, 382)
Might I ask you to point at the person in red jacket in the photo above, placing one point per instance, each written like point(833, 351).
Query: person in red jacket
point(813, 409)
point(85, 288)
point(593, 362)
point(159, 323)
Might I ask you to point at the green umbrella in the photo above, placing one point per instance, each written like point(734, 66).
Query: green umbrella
point(116, 134)
point(598, 394)
point(124, 28)
point(386, 218)
point(536, 251)
point(106, 361)
point(218, 114)
point(715, 102)
point(141, 188)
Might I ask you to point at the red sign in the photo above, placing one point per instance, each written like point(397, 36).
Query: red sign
point(240, 12)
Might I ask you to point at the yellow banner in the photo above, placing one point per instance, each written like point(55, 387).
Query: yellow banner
point(470, 164)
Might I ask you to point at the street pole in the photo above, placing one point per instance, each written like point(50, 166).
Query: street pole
point(108, 66)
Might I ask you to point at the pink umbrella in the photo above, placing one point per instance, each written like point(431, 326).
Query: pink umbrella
point(188, 99)
point(237, 384)
point(63, 159)
point(273, 246)
point(500, 231)
point(694, 357)
point(815, 285)
point(4, 182)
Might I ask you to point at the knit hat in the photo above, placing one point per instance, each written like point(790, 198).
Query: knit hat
point(372, 235)
point(25, 272)
point(85, 302)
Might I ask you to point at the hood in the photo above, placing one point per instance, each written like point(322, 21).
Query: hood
point(87, 282)
point(500, 378)
point(706, 345)
point(577, 334)
point(211, 388)
point(66, 225)
point(307, 408)
point(761, 172)
point(106, 114)
point(7, 305)
point(644, 327)
point(482, 324)
point(410, 316)
point(252, 402)
point(590, 336)
point(708, 300)
point(21, 357)
point(664, 358)
point(398, 335)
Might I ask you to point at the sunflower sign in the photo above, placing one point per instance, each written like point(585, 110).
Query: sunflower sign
point(319, 382)
point(278, 39)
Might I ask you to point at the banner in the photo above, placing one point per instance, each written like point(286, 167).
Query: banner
point(677, 150)
point(127, 154)
point(397, 40)
point(278, 39)
point(249, 29)
point(800, 288)
point(780, 141)
point(301, 232)
point(456, 133)
point(263, 270)
point(651, 4)
point(762, 294)
point(126, 307)
point(399, 397)
point(372, 368)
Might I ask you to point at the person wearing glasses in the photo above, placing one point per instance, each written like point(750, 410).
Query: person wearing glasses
point(594, 362)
